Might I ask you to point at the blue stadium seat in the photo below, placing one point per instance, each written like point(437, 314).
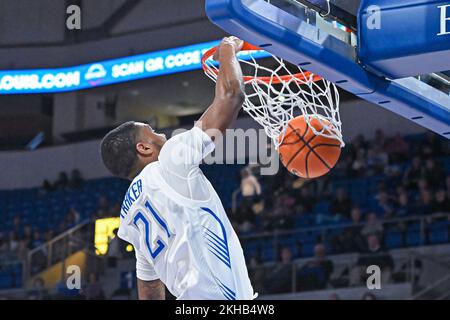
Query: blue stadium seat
point(414, 226)
point(308, 249)
point(303, 221)
point(268, 253)
point(438, 235)
point(438, 231)
point(413, 238)
point(393, 240)
point(322, 208)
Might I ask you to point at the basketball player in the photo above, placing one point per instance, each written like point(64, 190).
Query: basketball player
point(171, 213)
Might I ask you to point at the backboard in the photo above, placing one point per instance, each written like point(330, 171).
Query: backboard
point(342, 11)
point(334, 40)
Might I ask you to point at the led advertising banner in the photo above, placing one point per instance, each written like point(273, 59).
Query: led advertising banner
point(107, 72)
point(104, 232)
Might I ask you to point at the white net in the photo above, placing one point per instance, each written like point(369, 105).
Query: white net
point(278, 92)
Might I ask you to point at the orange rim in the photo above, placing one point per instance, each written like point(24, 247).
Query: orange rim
point(301, 78)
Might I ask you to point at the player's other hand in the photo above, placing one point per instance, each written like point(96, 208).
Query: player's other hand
point(234, 42)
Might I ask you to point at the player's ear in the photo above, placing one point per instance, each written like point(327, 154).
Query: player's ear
point(144, 149)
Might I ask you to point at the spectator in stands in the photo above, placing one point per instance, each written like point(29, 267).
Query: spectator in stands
point(72, 218)
point(359, 142)
point(49, 235)
point(256, 273)
point(250, 187)
point(114, 247)
point(431, 146)
point(40, 260)
point(315, 274)
point(22, 250)
point(46, 187)
point(369, 296)
point(373, 226)
point(115, 210)
point(377, 160)
point(282, 216)
point(384, 205)
point(3, 246)
point(374, 255)
point(93, 290)
point(380, 138)
point(394, 173)
point(433, 173)
point(27, 236)
point(321, 187)
point(400, 189)
point(413, 173)
point(397, 148)
point(424, 203)
point(37, 239)
point(447, 186)
point(246, 227)
point(62, 226)
point(306, 200)
point(404, 208)
point(103, 209)
point(76, 180)
point(341, 205)
point(286, 201)
point(245, 217)
point(441, 203)
point(422, 185)
point(62, 182)
point(359, 166)
point(351, 240)
point(13, 243)
point(17, 226)
point(279, 279)
point(343, 166)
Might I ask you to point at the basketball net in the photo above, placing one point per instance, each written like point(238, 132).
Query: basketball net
point(274, 95)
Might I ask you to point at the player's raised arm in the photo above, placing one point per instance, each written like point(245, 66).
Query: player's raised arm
point(229, 89)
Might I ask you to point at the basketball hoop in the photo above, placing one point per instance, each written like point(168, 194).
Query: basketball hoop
point(275, 95)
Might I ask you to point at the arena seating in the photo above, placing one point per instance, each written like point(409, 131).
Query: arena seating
point(44, 211)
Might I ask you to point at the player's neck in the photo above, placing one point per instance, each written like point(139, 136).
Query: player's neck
point(138, 168)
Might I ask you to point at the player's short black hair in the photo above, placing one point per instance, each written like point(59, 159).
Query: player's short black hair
point(118, 149)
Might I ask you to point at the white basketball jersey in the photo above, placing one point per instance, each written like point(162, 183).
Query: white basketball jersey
point(175, 220)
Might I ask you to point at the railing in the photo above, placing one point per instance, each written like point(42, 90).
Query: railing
point(407, 273)
point(71, 241)
point(56, 250)
point(438, 289)
point(326, 232)
point(347, 273)
point(435, 288)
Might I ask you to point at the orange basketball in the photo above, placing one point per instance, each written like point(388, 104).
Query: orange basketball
point(305, 154)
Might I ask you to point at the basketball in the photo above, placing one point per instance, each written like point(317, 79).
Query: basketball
point(306, 154)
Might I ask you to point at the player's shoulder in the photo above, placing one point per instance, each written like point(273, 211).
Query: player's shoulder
point(147, 175)
point(192, 139)
point(186, 136)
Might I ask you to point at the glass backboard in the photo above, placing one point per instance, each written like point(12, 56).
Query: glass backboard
point(329, 39)
point(345, 13)
point(342, 11)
